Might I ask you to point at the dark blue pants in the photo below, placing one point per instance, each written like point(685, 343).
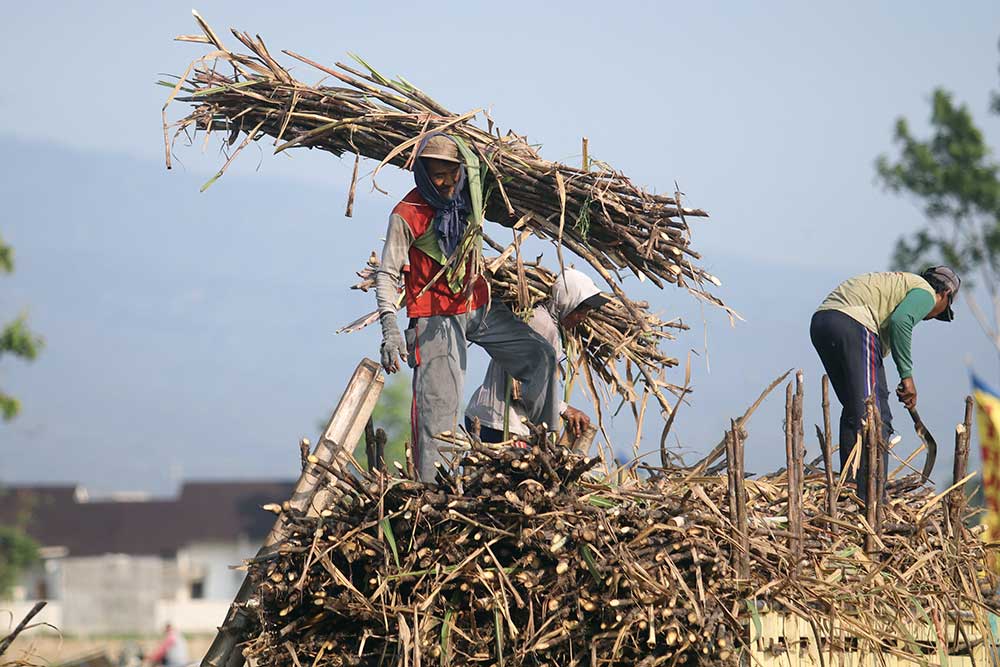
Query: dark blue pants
point(852, 357)
point(486, 433)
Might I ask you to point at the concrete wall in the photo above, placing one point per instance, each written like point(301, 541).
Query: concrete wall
point(115, 594)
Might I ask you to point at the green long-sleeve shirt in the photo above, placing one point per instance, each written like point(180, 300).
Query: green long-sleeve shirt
point(914, 307)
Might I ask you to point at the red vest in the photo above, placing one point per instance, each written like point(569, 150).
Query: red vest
point(439, 299)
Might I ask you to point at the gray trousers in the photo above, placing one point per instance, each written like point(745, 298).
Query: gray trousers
point(437, 348)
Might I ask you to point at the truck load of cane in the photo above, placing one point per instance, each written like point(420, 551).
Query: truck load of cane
point(548, 554)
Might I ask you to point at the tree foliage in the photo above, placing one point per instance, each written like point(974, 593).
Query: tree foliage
point(16, 339)
point(955, 177)
point(392, 414)
point(18, 552)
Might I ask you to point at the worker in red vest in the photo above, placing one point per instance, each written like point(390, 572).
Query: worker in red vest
point(447, 309)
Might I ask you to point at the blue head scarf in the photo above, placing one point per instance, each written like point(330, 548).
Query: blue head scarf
point(451, 215)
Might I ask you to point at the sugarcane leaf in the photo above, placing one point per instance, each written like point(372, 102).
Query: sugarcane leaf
point(603, 503)
point(378, 77)
point(588, 558)
point(498, 634)
point(228, 86)
point(446, 636)
point(210, 181)
point(942, 656)
point(390, 538)
point(755, 618)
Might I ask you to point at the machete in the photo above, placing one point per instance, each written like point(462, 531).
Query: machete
point(929, 442)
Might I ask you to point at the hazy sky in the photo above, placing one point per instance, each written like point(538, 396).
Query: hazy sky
point(191, 335)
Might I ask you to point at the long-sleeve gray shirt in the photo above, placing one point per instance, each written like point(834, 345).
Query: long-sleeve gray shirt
point(395, 255)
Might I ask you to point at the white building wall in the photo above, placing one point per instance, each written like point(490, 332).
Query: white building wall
point(212, 563)
point(192, 616)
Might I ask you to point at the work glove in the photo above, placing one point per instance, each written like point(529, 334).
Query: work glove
point(393, 345)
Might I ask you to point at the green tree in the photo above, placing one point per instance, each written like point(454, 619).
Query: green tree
point(18, 552)
point(953, 174)
point(15, 338)
point(392, 414)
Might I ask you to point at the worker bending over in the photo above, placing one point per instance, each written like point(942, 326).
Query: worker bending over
point(446, 310)
point(864, 319)
point(573, 296)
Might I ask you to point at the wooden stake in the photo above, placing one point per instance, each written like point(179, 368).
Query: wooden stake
point(793, 482)
point(831, 494)
point(870, 445)
point(731, 473)
point(380, 440)
point(742, 527)
point(800, 460)
point(370, 457)
point(586, 155)
point(956, 499)
point(878, 469)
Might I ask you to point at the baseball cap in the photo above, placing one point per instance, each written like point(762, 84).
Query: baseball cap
point(440, 147)
point(595, 301)
point(947, 277)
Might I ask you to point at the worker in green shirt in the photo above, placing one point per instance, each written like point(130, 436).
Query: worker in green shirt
point(864, 319)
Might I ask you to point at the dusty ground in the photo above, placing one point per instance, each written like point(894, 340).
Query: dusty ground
point(48, 649)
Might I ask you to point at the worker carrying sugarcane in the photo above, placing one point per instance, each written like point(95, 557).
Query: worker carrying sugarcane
point(431, 240)
point(496, 403)
point(864, 319)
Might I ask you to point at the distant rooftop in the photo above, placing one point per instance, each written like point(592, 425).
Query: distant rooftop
point(65, 517)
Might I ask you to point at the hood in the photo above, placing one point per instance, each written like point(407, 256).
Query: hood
point(570, 289)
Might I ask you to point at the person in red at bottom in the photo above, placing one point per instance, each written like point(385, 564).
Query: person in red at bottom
point(446, 312)
point(172, 650)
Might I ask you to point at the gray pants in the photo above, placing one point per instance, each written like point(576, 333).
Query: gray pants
point(437, 354)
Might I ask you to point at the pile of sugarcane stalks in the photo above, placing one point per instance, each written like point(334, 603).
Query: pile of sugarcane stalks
point(593, 210)
point(608, 336)
point(536, 557)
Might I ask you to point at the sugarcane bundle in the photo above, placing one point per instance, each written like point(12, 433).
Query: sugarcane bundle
point(607, 339)
point(594, 211)
point(531, 557)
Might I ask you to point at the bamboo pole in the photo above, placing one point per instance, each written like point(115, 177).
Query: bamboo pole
point(347, 421)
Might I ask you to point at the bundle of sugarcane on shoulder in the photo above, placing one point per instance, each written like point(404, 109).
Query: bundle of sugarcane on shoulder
point(464, 175)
